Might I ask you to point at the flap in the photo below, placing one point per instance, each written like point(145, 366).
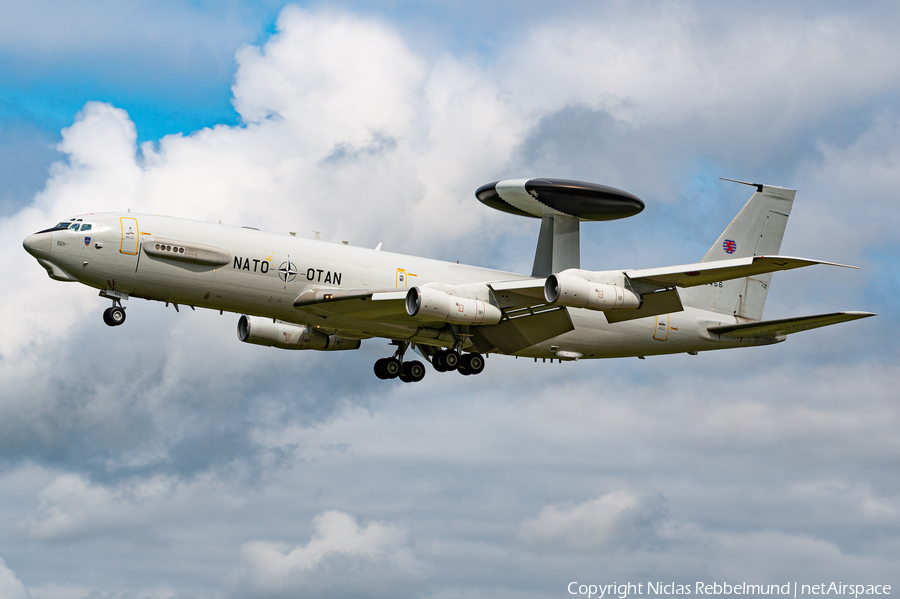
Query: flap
point(533, 287)
point(660, 302)
point(521, 332)
point(701, 273)
point(520, 293)
point(786, 326)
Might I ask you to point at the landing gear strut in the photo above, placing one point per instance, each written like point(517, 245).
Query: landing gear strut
point(395, 367)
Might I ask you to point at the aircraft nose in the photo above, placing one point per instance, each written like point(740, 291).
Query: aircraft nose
point(38, 245)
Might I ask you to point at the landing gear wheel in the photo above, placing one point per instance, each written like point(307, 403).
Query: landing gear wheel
point(451, 360)
point(380, 371)
point(445, 360)
point(114, 316)
point(412, 372)
point(392, 368)
point(471, 364)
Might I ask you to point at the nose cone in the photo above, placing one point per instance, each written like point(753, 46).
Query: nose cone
point(38, 245)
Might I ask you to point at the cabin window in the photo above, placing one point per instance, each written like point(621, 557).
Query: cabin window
point(85, 227)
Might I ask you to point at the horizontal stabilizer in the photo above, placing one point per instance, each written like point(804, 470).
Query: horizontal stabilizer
point(786, 326)
point(702, 273)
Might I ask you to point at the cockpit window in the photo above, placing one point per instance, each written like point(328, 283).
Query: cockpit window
point(85, 227)
point(61, 227)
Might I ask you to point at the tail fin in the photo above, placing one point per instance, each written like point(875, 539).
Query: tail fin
point(757, 230)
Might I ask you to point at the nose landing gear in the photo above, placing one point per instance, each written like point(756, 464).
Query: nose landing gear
point(114, 316)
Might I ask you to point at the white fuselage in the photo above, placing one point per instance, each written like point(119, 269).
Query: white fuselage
point(268, 271)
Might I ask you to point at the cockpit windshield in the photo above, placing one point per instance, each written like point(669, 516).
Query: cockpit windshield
point(66, 224)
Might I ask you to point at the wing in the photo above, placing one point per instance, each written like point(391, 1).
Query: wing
point(382, 313)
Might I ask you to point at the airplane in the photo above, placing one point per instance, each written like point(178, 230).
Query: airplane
point(307, 294)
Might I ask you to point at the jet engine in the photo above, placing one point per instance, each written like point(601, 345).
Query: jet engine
point(426, 303)
point(283, 335)
point(568, 290)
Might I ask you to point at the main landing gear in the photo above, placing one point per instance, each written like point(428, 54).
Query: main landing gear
point(115, 315)
point(394, 367)
point(445, 360)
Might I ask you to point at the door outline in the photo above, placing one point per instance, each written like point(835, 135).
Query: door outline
point(130, 235)
point(663, 321)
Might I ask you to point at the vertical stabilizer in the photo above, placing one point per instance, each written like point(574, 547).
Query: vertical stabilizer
point(757, 230)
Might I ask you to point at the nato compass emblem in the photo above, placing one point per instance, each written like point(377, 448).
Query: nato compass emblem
point(287, 271)
point(729, 245)
point(87, 241)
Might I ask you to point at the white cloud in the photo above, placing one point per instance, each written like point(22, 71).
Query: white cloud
point(340, 555)
point(667, 67)
point(10, 586)
point(71, 508)
point(617, 518)
point(326, 90)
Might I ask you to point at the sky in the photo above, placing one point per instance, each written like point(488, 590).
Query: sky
point(164, 459)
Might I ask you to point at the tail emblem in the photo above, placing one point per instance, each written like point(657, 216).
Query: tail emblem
point(729, 245)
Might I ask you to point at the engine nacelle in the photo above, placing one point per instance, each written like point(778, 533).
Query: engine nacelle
point(569, 290)
point(426, 303)
point(283, 335)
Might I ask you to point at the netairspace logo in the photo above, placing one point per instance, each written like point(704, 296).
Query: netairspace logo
point(624, 590)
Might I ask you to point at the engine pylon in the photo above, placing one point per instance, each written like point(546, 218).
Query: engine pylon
point(561, 205)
